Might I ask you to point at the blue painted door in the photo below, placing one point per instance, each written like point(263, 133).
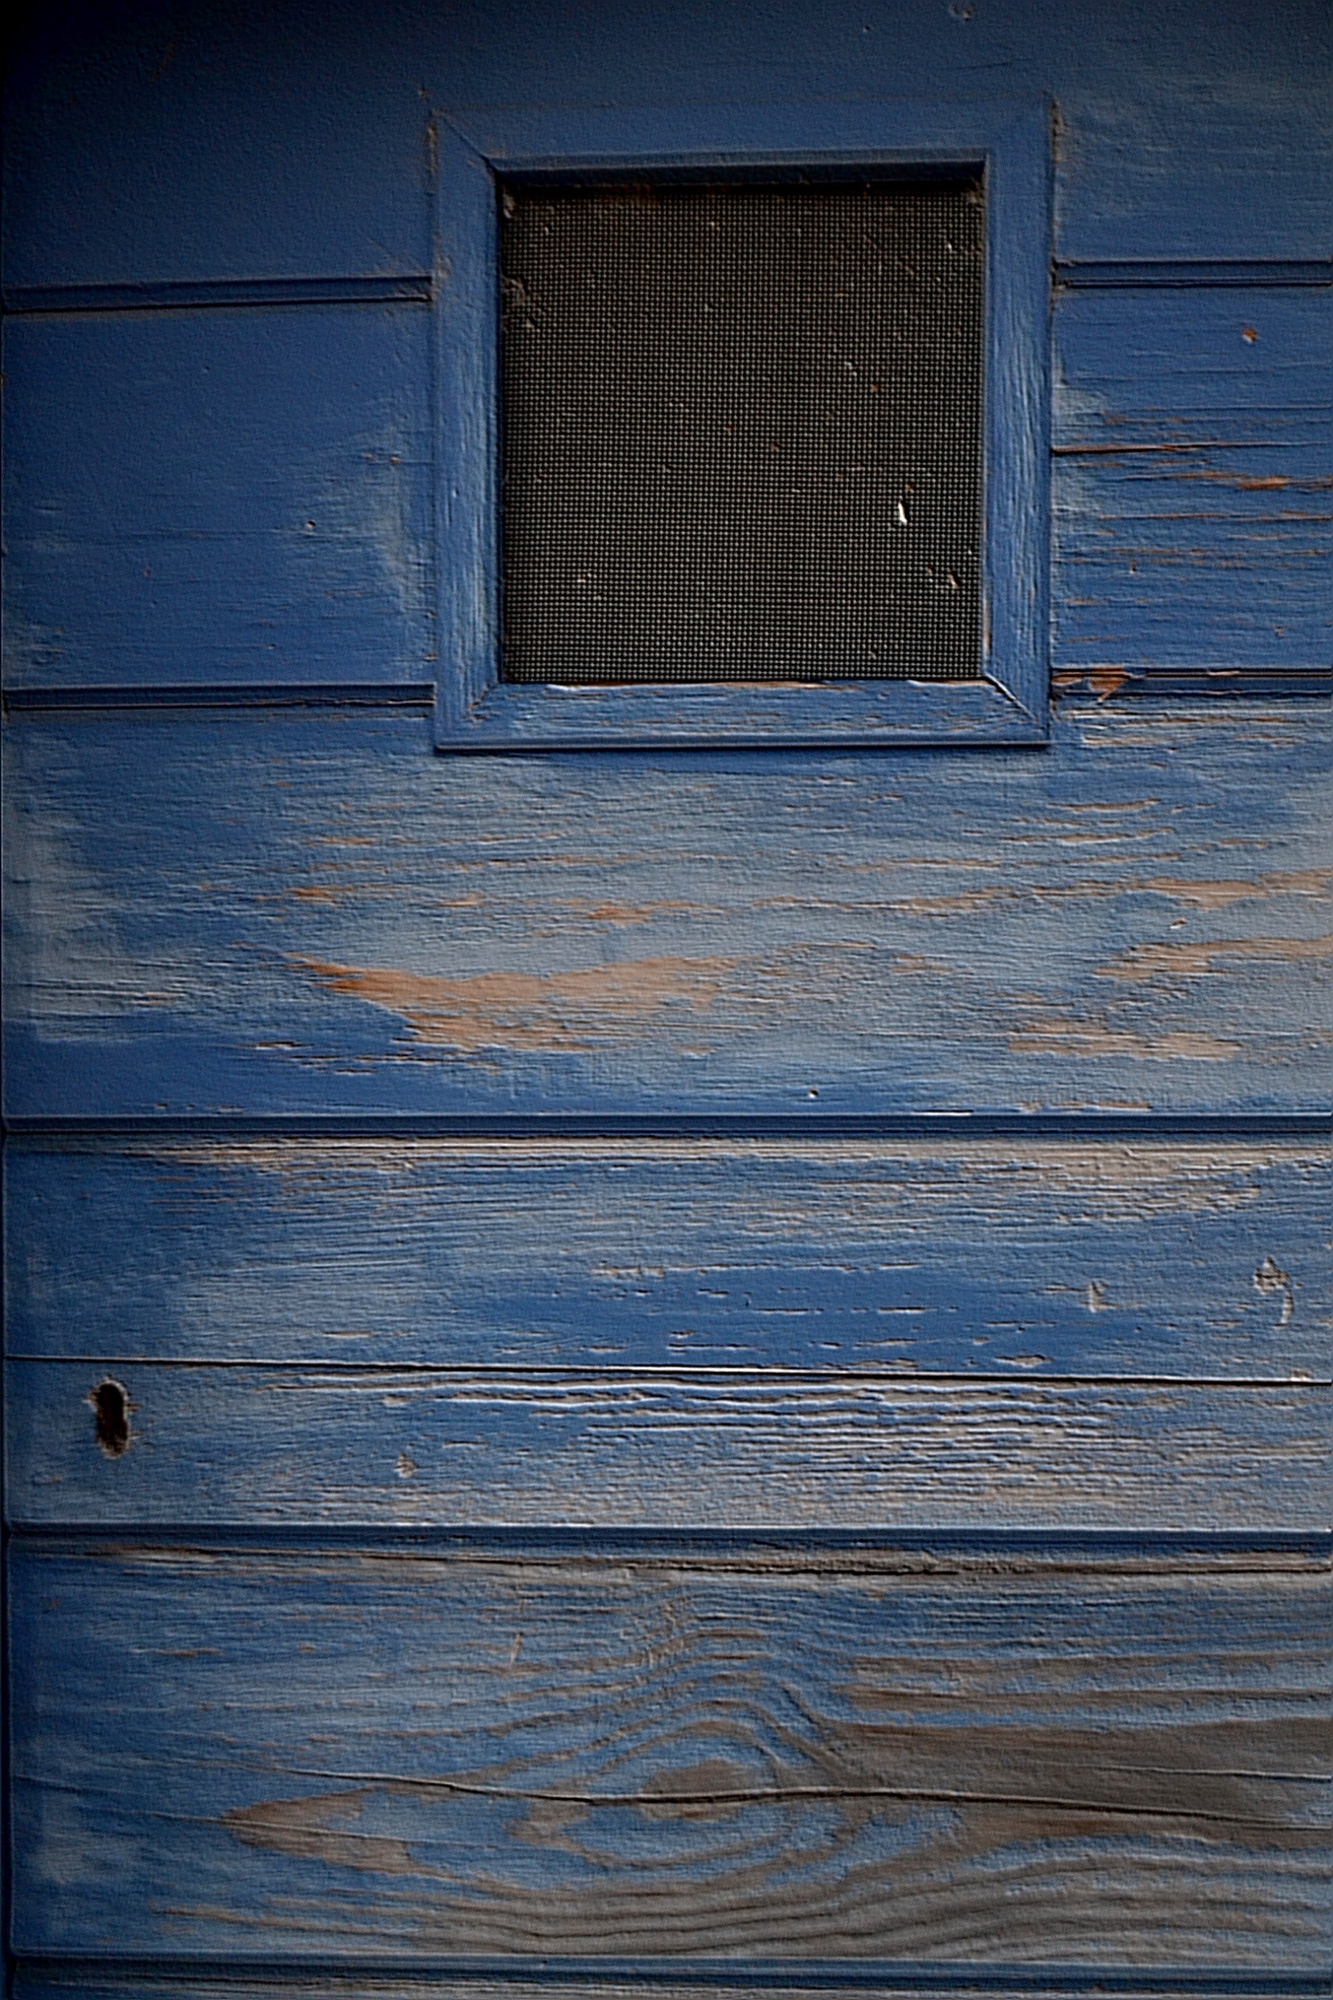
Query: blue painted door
point(689, 1366)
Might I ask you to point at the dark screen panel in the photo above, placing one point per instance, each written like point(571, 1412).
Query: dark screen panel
point(742, 432)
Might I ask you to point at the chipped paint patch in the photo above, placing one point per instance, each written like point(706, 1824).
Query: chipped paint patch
point(627, 915)
point(517, 1010)
point(1071, 1037)
point(1143, 962)
point(1220, 895)
point(1270, 1278)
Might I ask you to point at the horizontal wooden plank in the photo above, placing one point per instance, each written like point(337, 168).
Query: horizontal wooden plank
point(1193, 490)
point(311, 912)
point(218, 496)
point(284, 537)
point(1045, 1257)
point(147, 145)
point(723, 1448)
point(396, 1756)
point(97, 1981)
point(1148, 171)
point(59, 1980)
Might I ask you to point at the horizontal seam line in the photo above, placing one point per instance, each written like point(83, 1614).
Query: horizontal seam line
point(758, 1373)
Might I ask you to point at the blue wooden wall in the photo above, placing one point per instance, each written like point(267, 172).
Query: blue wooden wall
point(696, 1368)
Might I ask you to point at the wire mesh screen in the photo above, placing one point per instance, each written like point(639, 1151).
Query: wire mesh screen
point(742, 432)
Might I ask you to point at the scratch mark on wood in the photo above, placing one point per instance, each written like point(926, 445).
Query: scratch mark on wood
point(296, 1826)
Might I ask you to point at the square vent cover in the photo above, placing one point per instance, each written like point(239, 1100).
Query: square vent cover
point(742, 431)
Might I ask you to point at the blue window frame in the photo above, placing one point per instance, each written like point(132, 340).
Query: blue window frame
point(476, 708)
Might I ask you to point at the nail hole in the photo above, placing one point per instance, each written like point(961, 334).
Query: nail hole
point(111, 1407)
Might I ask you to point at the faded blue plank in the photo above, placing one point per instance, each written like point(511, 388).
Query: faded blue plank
point(1193, 487)
point(218, 496)
point(60, 1980)
point(400, 1756)
point(311, 912)
point(164, 470)
point(158, 142)
point(611, 1448)
point(177, 143)
point(1037, 1258)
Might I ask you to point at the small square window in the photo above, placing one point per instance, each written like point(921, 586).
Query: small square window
point(742, 432)
point(742, 448)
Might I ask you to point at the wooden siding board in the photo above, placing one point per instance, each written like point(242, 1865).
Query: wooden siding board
point(1040, 1257)
point(244, 1757)
point(154, 143)
point(1193, 492)
point(210, 1444)
point(218, 496)
point(994, 1764)
point(84, 1980)
point(1148, 170)
point(1193, 479)
point(303, 912)
point(160, 145)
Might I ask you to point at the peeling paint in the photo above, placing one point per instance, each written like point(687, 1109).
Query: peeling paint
point(1071, 1037)
point(1270, 1278)
point(1206, 895)
point(555, 1011)
point(1142, 962)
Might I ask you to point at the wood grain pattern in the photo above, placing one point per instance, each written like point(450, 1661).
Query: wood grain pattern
point(1039, 1257)
point(218, 496)
point(904, 1759)
point(1073, 1729)
point(1193, 491)
point(307, 912)
point(722, 1448)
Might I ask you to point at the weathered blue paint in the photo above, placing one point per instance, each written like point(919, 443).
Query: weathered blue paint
point(910, 1757)
point(293, 913)
point(681, 1449)
point(175, 143)
point(1027, 1257)
point(160, 533)
point(895, 1560)
point(1201, 545)
point(1192, 480)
